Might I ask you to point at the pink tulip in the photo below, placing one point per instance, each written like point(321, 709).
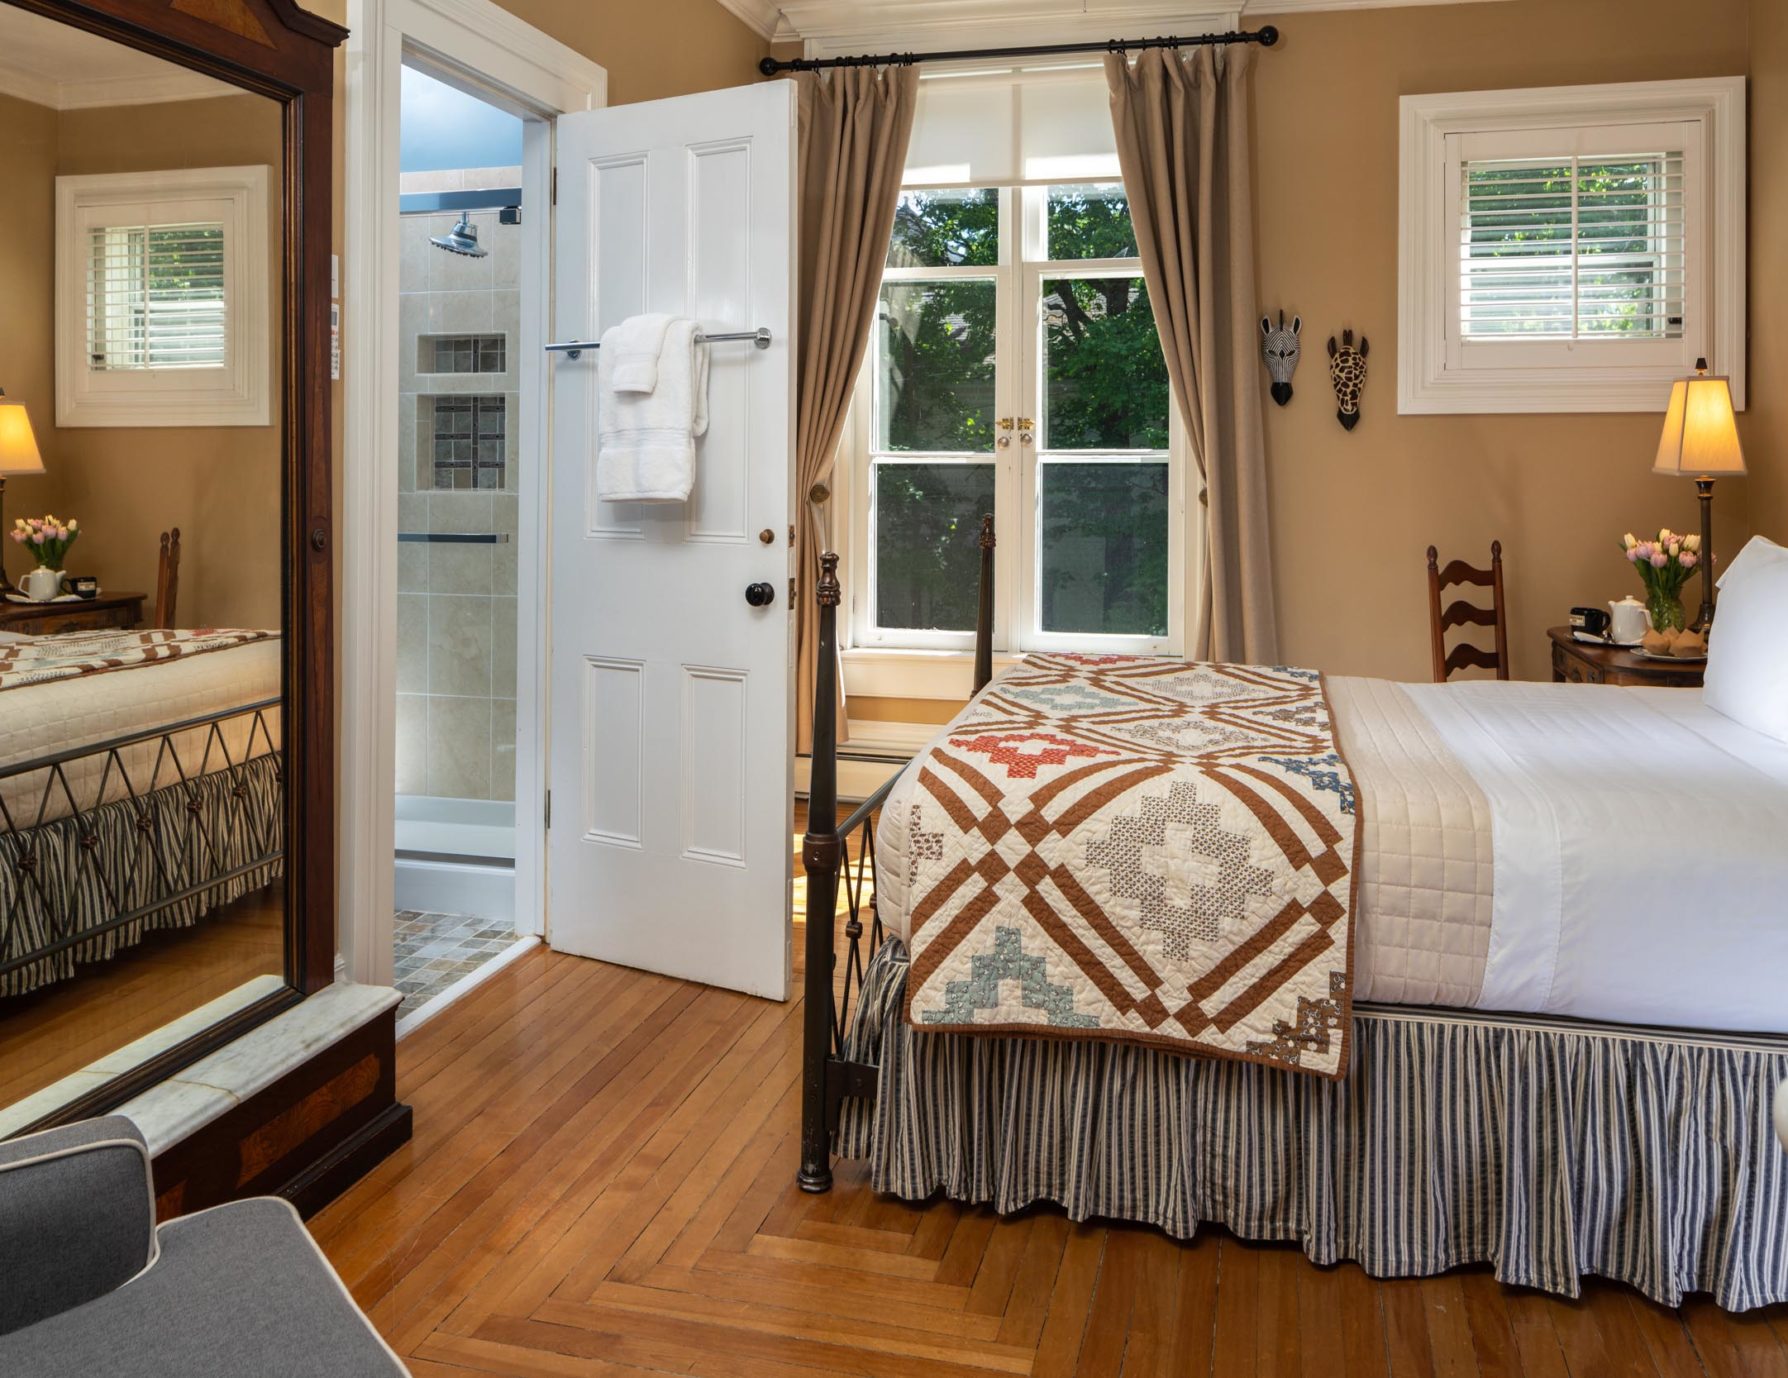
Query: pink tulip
point(19, 536)
point(1633, 555)
point(1659, 559)
point(1688, 559)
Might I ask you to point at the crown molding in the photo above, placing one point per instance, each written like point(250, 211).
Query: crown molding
point(89, 93)
point(762, 17)
point(1263, 9)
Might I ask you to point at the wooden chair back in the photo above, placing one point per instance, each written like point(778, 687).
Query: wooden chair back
point(167, 579)
point(1460, 613)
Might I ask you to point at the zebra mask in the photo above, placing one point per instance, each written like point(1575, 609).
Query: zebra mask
point(1279, 350)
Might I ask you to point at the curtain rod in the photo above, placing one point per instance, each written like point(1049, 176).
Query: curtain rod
point(1267, 35)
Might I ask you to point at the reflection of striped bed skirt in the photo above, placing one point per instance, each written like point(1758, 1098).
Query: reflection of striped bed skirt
point(1549, 1150)
point(72, 875)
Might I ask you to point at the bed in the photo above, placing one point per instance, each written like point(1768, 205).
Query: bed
point(1556, 1017)
point(139, 789)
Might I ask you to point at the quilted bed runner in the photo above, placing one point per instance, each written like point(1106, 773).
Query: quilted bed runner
point(71, 655)
point(1142, 850)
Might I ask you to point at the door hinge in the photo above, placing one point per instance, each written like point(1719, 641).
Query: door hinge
point(555, 186)
point(549, 808)
point(791, 591)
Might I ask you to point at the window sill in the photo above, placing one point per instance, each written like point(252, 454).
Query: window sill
point(877, 673)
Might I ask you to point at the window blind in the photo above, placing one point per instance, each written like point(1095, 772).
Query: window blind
point(1572, 247)
point(155, 297)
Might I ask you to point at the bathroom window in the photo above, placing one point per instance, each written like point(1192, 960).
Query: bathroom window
point(463, 354)
point(470, 441)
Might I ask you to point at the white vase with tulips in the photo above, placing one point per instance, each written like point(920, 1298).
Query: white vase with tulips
point(1664, 562)
point(48, 539)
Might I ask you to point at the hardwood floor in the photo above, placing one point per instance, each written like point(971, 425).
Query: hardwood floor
point(602, 1183)
point(49, 1033)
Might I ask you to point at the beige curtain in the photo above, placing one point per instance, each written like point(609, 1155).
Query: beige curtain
point(1183, 143)
point(854, 127)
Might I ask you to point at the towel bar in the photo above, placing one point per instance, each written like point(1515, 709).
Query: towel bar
point(760, 337)
point(457, 537)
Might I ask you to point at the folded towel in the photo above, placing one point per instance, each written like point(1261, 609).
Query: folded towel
point(645, 444)
point(632, 349)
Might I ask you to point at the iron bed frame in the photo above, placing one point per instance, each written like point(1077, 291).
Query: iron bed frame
point(827, 1076)
point(186, 860)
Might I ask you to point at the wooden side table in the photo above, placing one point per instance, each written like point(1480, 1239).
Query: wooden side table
point(1583, 662)
point(86, 615)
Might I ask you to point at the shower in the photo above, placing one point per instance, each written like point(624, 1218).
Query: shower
point(461, 239)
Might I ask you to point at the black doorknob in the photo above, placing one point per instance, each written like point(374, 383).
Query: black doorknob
point(760, 595)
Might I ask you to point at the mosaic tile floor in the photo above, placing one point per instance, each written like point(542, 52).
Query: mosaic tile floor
point(435, 950)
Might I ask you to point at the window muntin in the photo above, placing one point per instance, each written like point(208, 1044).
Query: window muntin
point(1018, 372)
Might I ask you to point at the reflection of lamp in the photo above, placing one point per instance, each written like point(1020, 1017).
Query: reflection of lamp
point(18, 455)
point(1701, 438)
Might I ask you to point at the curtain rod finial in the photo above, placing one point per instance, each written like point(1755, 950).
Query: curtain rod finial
point(768, 66)
point(1269, 35)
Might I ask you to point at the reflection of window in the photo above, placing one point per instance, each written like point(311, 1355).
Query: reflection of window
point(469, 439)
point(163, 299)
point(155, 297)
point(1015, 369)
point(1570, 250)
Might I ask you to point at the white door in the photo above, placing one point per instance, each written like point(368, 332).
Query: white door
point(672, 696)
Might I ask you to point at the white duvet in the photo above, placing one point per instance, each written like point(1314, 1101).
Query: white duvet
point(1640, 847)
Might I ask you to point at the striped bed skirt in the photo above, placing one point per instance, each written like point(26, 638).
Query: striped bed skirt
point(179, 852)
point(1548, 1150)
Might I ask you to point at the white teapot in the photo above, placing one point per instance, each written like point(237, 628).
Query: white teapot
point(1628, 621)
point(41, 585)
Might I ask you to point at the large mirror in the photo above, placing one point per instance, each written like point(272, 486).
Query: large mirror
point(147, 474)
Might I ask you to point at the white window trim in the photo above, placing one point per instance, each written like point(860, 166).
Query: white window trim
point(909, 663)
point(240, 393)
point(1425, 384)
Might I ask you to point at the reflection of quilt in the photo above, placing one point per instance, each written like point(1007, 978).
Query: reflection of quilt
point(1143, 850)
point(73, 654)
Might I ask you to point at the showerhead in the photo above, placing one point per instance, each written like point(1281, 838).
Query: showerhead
point(461, 239)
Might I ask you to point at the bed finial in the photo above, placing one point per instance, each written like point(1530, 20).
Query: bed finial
point(828, 591)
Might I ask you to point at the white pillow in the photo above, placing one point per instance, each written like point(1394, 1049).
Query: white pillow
point(1747, 655)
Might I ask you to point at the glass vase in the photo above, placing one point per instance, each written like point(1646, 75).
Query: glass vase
point(1666, 611)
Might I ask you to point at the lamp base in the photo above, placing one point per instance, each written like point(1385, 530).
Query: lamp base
point(5, 583)
point(1704, 618)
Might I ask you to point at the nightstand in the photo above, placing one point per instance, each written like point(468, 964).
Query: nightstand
point(87, 615)
point(1582, 662)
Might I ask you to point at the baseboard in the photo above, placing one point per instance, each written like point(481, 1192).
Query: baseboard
point(347, 1162)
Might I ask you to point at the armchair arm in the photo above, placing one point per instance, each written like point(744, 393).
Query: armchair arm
point(77, 1217)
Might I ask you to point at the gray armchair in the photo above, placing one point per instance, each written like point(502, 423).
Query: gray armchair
point(92, 1287)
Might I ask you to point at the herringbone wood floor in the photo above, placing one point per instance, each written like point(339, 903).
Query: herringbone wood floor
point(602, 1183)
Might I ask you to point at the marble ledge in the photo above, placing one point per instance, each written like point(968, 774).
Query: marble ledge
point(214, 1085)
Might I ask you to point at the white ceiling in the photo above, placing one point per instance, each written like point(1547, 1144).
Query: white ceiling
point(838, 26)
point(67, 68)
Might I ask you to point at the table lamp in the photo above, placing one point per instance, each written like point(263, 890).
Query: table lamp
point(1700, 440)
point(18, 455)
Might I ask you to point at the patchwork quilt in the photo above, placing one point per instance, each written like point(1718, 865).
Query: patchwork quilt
point(1138, 849)
point(72, 655)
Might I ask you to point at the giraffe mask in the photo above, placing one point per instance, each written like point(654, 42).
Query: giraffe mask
point(1347, 370)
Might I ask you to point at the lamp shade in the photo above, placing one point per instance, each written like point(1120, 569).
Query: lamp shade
point(1700, 437)
point(18, 446)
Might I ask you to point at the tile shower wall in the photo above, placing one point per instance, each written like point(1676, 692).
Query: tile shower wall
point(456, 603)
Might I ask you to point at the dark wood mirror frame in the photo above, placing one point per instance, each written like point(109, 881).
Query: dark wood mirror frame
point(271, 48)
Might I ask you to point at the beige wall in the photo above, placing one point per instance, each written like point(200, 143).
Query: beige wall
point(219, 484)
point(1352, 513)
point(27, 245)
point(1764, 428)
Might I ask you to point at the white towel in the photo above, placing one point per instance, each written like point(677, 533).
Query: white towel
point(632, 349)
point(645, 446)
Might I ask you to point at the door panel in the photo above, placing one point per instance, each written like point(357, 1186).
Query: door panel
point(673, 698)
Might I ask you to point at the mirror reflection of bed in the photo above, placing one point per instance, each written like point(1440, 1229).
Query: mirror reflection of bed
point(142, 886)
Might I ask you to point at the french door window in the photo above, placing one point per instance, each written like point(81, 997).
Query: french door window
point(1014, 369)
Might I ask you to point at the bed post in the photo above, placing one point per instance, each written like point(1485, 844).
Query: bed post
point(820, 852)
point(984, 612)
